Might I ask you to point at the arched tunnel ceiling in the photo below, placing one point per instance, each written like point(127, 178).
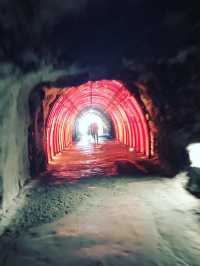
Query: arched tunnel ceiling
point(110, 96)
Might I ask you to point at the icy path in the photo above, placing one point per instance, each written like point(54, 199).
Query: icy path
point(137, 222)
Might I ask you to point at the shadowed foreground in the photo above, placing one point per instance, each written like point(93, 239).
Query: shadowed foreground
point(116, 221)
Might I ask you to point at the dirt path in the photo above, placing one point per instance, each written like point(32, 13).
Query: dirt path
point(121, 222)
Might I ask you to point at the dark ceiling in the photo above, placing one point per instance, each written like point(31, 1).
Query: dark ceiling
point(93, 31)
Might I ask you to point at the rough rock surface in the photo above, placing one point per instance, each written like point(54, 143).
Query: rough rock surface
point(15, 88)
point(174, 87)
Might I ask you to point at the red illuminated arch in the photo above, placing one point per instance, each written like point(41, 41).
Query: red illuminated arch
point(112, 97)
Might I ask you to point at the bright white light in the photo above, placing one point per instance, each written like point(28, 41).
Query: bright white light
point(86, 120)
point(194, 153)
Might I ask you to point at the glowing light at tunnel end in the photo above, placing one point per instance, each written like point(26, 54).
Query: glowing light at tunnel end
point(85, 121)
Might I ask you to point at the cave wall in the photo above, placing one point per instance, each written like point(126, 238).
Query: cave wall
point(15, 88)
point(173, 85)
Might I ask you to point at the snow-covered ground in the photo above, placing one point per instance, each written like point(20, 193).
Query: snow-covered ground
point(116, 221)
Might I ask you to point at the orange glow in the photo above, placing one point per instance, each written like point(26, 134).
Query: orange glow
point(110, 96)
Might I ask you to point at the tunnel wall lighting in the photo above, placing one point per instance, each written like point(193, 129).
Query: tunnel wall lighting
point(110, 96)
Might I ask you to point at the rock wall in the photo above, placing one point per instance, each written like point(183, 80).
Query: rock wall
point(173, 84)
point(15, 88)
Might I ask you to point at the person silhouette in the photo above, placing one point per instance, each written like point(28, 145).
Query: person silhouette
point(95, 131)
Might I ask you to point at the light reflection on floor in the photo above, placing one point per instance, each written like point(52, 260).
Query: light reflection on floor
point(88, 159)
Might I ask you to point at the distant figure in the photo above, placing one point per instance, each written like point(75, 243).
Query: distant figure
point(94, 131)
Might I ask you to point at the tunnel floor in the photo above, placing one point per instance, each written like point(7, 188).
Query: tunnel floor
point(89, 159)
point(116, 221)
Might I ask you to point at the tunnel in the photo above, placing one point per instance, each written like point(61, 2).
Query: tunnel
point(122, 121)
point(99, 133)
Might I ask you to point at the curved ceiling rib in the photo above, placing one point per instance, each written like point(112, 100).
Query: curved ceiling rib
point(110, 96)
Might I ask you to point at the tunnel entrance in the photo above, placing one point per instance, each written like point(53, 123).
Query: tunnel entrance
point(62, 131)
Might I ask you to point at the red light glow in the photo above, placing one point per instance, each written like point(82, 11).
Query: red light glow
point(110, 96)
